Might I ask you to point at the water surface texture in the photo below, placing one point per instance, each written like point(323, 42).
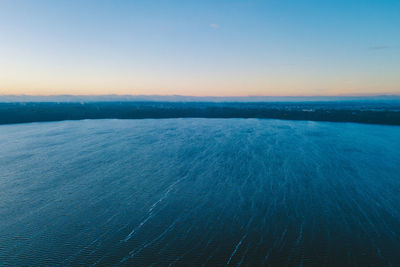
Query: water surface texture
point(199, 192)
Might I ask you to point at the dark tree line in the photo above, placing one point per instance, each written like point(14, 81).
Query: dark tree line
point(373, 113)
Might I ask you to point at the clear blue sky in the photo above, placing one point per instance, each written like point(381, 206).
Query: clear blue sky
point(217, 48)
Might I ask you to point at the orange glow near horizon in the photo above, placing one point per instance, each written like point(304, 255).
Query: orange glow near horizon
point(192, 88)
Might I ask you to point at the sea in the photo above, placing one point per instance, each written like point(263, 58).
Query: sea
point(199, 192)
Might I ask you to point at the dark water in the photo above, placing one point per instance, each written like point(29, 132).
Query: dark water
point(199, 191)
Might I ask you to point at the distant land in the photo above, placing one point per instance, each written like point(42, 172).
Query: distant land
point(181, 98)
point(371, 110)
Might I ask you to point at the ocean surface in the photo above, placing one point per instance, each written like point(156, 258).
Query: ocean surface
point(199, 192)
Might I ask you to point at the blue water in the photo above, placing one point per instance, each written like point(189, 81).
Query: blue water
point(199, 191)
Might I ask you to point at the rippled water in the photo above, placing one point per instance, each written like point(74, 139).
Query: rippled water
point(199, 191)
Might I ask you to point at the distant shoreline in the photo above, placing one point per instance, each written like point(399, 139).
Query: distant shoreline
point(186, 98)
point(384, 113)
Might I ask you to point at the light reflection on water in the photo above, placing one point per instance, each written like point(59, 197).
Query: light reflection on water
point(199, 191)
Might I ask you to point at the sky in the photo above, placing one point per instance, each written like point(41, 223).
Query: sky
point(200, 48)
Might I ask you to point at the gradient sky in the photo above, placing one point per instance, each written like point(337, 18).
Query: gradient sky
point(215, 48)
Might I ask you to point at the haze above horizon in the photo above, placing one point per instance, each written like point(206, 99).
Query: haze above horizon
point(207, 48)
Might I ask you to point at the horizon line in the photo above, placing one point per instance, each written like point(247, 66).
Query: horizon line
point(198, 96)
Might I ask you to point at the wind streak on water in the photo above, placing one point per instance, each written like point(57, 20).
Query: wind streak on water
point(199, 192)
